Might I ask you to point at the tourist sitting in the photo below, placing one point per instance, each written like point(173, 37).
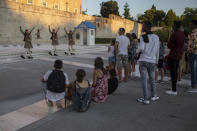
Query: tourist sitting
point(100, 82)
point(56, 82)
point(81, 91)
point(112, 81)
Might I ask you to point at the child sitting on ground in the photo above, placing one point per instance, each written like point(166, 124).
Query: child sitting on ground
point(81, 91)
point(112, 81)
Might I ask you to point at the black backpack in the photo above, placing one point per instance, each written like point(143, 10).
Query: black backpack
point(56, 82)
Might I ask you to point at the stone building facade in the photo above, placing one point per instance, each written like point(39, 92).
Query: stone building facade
point(14, 14)
point(74, 6)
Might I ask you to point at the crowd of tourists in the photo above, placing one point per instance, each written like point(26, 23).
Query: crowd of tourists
point(123, 54)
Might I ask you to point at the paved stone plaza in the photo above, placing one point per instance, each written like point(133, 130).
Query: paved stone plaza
point(22, 105)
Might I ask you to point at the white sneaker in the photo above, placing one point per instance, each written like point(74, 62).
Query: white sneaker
point(141, 100)
point(170, 92)
point(154, 98)
point(146, 102)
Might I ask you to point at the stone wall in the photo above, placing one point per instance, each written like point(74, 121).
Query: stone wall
point(74, 6)
point(13, 15)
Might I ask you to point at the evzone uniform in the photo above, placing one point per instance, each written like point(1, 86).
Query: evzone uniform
point(28, 45)
point(38, 37)
point(55, 43)
point(71, 41)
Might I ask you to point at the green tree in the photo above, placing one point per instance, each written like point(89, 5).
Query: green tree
point(188, 15)
point(126, 13)
point(154, 7)
point(153, 15)
point(159, 17)
point(170, 18)
point(109, 7)
point(150, 15)
point(163, 34)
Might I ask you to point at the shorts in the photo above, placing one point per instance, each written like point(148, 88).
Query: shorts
point(160, 64)
point(122, 60)
point(131, 59)
point(112, 60)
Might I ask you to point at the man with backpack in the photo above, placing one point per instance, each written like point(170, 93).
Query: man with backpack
point(56, 82)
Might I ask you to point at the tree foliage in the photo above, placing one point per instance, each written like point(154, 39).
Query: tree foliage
point(126, 13)
point(109, 7)
point(170, 18)
point(153, 15)
point(188, 15)
point(163, 33)
point(154, 7)
point(159, 17)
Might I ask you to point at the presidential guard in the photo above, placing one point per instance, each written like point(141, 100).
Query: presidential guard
point(28, 45)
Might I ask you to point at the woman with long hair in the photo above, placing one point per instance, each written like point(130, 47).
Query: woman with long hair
point(100, 82)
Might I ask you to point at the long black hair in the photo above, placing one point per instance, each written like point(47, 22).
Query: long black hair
point(147, 31)
point(80, 74)
point(99, 64)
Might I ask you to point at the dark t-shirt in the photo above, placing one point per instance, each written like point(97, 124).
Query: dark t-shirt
point(176, 45)
point(112, 85)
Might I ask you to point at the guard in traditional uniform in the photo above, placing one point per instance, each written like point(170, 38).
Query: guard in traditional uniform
point(38, 37)
point(55, 43)
point(28, 45)
point(71, 41)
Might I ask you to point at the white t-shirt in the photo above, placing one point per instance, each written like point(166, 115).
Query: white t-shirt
point(111, 52)
point(51, 95)
point(150, 51)
point(123, 43)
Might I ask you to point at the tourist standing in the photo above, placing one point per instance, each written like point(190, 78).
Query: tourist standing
point(160, 66)
point(132, 52)
point(55, 43)
point(28, 45)
point(149, 50)
point(176, 46)
point(192, 47)
point(111, 54)
point(121, 49)
point(186, 52)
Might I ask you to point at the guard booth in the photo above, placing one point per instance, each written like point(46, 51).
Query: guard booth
point(87, 33)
